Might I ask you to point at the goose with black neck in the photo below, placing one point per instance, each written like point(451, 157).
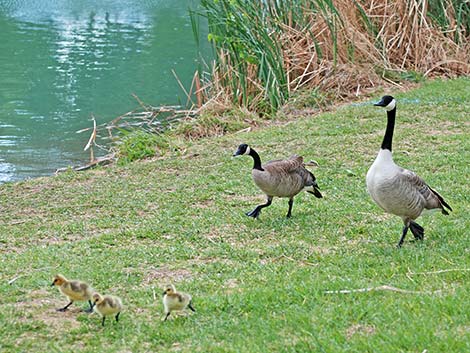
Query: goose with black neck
point(396, 190)
point(279, 178)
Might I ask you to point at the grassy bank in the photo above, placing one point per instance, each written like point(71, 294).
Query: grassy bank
point(258, 285)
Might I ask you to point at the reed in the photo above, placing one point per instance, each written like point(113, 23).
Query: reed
point(265, 50)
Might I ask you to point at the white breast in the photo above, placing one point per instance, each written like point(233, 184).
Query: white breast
point(380, 175)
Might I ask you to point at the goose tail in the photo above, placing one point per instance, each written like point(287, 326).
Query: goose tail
point(315, 188)
point(316, 192)
point(444, 204)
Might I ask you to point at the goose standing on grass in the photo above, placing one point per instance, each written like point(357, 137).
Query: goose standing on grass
point(400, 191)
point(175, 301)
point(74, 290)
point(107, 305)
point(279, 178)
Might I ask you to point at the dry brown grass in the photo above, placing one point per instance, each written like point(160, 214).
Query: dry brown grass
point(348, 52)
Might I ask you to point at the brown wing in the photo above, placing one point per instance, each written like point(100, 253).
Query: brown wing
point(431, 197)
point(285, 165)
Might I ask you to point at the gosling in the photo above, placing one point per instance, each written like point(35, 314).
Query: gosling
point(175, 301)
point(280, 178)
point(74, 290)
point(107, 305)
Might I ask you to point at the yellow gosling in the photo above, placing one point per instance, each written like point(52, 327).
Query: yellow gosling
point(107, 305)
point(74, 290)
point(175, 301)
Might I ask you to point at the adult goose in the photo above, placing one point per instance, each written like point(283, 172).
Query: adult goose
point(279, 178)
point(400, 191)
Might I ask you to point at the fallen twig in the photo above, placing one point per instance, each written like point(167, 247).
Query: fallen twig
point(98, 161)
point(14, 279)
point(439, 271)
point(379, 288)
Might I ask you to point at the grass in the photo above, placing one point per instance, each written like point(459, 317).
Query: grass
point(258, 285)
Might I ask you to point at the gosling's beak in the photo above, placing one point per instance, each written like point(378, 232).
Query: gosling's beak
point(52, 285)
point(163, 293)
point(380, 104)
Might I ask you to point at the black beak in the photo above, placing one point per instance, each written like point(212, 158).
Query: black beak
point(164, 293)
point(52, 285)
point(380, 104)
point(237, 153)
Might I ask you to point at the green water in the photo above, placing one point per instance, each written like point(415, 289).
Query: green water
point(63, 61)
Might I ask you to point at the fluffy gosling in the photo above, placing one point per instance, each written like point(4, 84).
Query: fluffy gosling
point(107, 305)
point(175, 301)
point(74, 290)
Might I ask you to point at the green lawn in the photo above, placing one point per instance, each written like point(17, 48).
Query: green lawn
point(257, 285)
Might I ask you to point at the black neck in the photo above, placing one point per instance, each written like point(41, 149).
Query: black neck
point(256, 159)
point(387, 141)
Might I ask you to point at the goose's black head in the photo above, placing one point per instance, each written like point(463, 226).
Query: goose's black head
point(388, 102)
point(242, 149)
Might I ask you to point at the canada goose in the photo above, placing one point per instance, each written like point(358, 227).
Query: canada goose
point(74, 290)
point(175, 301)
point(400, 191)
point(280, 178)
point(107, 305)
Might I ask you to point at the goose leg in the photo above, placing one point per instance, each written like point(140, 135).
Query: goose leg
point(102, 322)
point(255, 213)
point(166, 317)
point(190, 306)
point(65, 307)
point(291, 202)
point(402, 239)
point(117, 316)
point(417, 230)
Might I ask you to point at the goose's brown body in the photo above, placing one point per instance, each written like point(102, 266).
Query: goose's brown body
point(280, 178)
point(283, 178)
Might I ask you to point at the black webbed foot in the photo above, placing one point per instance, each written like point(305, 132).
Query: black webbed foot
point(255, 213)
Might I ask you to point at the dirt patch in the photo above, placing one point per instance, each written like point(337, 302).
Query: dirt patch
point(40, 305)
point(359, 329)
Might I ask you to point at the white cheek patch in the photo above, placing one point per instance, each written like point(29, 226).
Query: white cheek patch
point(391, 105)
point(247, 150)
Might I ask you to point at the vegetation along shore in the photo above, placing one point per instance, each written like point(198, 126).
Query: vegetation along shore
point(171, 211)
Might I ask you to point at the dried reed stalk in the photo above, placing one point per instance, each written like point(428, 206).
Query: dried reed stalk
point(343, 47)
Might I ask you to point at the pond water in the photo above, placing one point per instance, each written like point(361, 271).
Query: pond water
point(62, 61)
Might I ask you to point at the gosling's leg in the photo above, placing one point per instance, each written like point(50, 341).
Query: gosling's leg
point(255, 213)
point(417, 230)
point(91, 307)
point(190, 306)
point(291, 202)
point(117, 316)
point(65, 307)
point(402, 239)
point(102, 322)
point(166, 316)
